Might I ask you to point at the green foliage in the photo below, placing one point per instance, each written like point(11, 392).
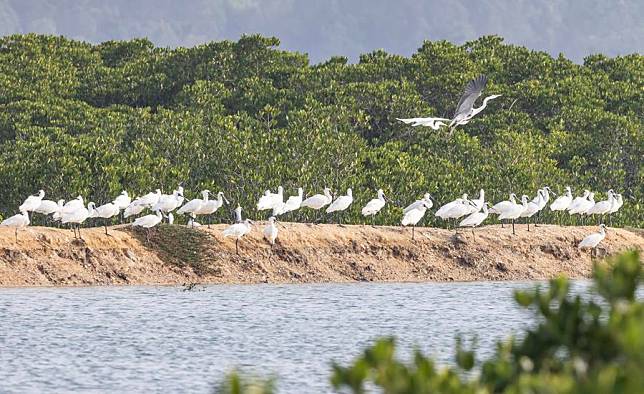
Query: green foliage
point(241, 117)
point(580, 345)
point(234, 383)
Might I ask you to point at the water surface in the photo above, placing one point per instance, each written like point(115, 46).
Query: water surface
point(136, 339)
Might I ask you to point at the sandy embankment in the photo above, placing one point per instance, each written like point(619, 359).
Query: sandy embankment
point(306, 253)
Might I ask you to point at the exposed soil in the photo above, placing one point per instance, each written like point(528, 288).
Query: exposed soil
point(304, 253)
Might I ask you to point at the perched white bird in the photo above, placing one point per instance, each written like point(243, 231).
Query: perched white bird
point(194, 205)
point(374, 206)
point(17, 221)
point(341, 203)
point(442, 211)
point(592, 240)
point(293, 202)
point(603, 207)
point(133, 209)
point(106, 211)
point(586, 205)
point(532, 207)
point(169, 202)
point(318, 201)
point(58, 214)
point(413, 216)
point(619, 201)
point(123, 200)
point(459, 210)
point(73, 205)
point(562, 202)
point(270, 231)
point(271, 200)
point(478, 203)
point(150, 199)
point(148, 221)
point(211, 206)
point(238, 230)
point(32, 202)
point(77, 216)
point(475, 219)
point(47, 207)
point(578, 202)
point(513, 211)
point(426, 200)
point(503, 205)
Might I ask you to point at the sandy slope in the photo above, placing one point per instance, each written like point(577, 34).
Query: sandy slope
point(305, 253)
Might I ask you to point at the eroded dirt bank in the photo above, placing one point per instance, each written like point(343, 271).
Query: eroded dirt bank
point(305, 253)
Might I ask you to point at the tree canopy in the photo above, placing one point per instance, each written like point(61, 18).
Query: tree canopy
point(244, 116)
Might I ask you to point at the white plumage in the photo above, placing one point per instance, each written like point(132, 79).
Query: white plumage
point(514, 210)
point(427, 200)
point(194, 205)
point(123, 200)
point(293, 202)
point(374, 206)
point(563, 202)
point(442, 211)
point(271, 200)
point(148, 221)
point(504, 205)
point(270, 231)
point(32, 202)
point(592, 240)
point(318, 201)
point(603, 207)
point(577, 202)
point(47, 207)
point(341, 203)
point(150, 199)
point(133, 209)
point(16, 221)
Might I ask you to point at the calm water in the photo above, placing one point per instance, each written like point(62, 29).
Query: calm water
point(135, 339)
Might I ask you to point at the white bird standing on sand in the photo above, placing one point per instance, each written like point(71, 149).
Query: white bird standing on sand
point(586, 205)
point(122, 200)
point(592, 240)
point(413, 216)
point(17, 221)
point(169, 202)
point(77, 216)
point(195, 204)
point(47, 207)
point(426, 200)
point(271, 200)
point(562, 202)
point(133, 209)
point(341, 203)
point(32, 202)
point(270, 231)
point(513, 211)
point(147, 222)
point(150, 199)
point(619, 201)
point(603, 207)
point(475, 219)
point(442, 211)
point(465, 207)
point(374, 206)
point(73, 205)
point(106, 211)
point(478, 203)
point(318, 201)
point(58, 214)
point(238, 230)
point(211, 206)
point(532, 207)
point(577, 202)
point(293, 202)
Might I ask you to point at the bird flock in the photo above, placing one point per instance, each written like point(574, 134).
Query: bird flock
point(462, 212)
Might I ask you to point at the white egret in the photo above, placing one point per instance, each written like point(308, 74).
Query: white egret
point(77, 216)
point(426, 200)
point(318, 201)
point(32, 202)
point(341, 203)
point(194, 205)
point(433, 123)
point(374, 206)
point(133, 209)
point(150, 199)
point(147, 222)
point(442, 211)
point(503, 205)
point(465, 110)
point(532, 207)
point(592, 240)
point(475, 219)
point(293, 202)
point(513, 211)
point(211, 206)
point(603, 207)
point(271, 200)
point(106, 211)
point(413, 216)
point(238, 230)
point(122, 200)
point(17, 221)
point(270, 231)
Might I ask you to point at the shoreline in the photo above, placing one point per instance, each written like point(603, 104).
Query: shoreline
point(305, 253)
